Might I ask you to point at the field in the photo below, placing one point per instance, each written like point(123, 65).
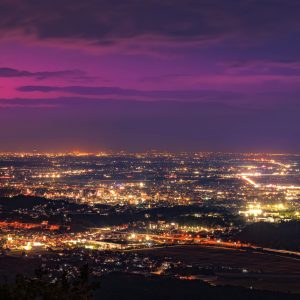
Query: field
point(261, 270)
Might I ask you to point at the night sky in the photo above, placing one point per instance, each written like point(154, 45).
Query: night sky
point(194, 75)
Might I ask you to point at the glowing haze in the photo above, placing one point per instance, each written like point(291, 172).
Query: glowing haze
point(136, 75)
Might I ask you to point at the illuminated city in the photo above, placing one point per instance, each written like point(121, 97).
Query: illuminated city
point(56, 206)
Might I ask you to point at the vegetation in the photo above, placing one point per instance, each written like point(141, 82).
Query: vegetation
point(42, 287)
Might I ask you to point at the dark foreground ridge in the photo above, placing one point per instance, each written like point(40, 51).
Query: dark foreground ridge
point(126, 286)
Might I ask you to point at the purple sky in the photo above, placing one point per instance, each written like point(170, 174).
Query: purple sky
point(153, 74)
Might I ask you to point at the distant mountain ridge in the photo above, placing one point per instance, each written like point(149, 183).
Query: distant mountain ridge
point(285, 235)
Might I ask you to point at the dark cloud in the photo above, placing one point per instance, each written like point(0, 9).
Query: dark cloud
point(116, 91)
point(105, 21)
point(9, 72)
point(282, 67)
